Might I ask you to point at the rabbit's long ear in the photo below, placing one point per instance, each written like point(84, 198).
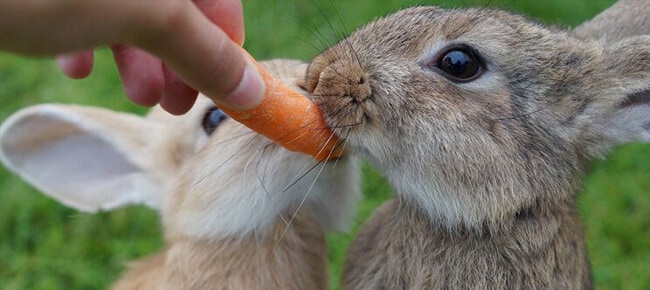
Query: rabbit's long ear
point(620, 112)
point(87, 158)
point(624, 19)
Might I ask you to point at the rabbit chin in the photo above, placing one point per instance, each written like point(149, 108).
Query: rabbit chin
point(260, 195)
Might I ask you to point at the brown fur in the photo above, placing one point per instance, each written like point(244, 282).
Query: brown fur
point(290, 258)
point(625, 18)
point(487, 171)
point(538, 251)
point(143, 274)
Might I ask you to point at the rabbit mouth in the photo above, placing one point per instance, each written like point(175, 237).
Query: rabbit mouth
point(343, 91)
point(346, 117)
point(345, 113)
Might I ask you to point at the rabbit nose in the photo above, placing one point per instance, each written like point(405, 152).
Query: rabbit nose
point(361, 91)
point(344, 80)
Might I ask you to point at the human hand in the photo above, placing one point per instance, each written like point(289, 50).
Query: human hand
point(182, 34)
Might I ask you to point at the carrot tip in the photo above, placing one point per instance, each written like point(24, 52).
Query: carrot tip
point(290, 119)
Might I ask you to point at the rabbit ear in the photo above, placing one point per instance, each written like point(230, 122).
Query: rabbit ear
point(621, 113)
point(623, 19)
point(87, 158)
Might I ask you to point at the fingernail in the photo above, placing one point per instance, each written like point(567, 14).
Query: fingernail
point(249, 91)
point(76, 66)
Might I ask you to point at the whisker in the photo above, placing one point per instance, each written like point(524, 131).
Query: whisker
point(239, 150)
point(343, 144)
point(304, 198)
point(284, 220)
point(327, 21)
point(317, 34)
point(332, 136)
point(298, 177)
point(217, 167)
point(259, 175)
point(355, 54)
point(341, 74)
point(302, 134)
point(332, 150)
point(324, 43)
point(348, 126)
point(292, 181)
point(232, 138)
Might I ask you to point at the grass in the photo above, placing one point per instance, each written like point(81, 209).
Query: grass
point(44, 245)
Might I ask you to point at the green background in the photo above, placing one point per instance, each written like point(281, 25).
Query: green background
point(44, 245)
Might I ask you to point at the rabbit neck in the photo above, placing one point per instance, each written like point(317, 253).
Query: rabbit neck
point(469, 195)
point(290, 257)
point(224, 206)
point(540, 247)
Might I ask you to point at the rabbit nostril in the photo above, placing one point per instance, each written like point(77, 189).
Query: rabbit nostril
point(342, 79)
point(359, 98)
point(361, 91)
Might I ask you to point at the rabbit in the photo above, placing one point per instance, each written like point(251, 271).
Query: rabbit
point(238, 211)
point(625, 18)
point(483, 122)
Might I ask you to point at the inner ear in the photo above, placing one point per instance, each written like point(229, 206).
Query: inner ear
point(637, 99)
point(87, 158)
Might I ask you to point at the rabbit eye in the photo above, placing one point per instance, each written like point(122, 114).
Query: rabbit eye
point(212, 118)
point(460, 64)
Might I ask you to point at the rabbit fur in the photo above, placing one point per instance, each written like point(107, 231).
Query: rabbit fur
point(487, 169)
point(624, 19)
point(238, 211)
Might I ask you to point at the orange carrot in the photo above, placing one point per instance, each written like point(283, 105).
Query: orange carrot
point(290, 119)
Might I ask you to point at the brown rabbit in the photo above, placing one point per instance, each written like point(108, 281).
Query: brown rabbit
point(483, 122)
point(238, 211)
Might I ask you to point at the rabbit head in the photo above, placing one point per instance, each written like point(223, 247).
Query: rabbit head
point(476, 115)
point(210, 176)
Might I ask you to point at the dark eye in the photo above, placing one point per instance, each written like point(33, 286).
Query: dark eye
point(460, 64)
point(212, 119)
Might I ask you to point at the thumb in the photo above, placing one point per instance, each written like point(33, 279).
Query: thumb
point(203, 56)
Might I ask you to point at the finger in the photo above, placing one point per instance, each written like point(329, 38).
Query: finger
point(76, 66)
point(177, 97)
point(227, 14)
point(205, 58)
point(141, 74)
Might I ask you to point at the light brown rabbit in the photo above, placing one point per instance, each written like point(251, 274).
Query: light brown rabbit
point(483, 122)
point(238, 211)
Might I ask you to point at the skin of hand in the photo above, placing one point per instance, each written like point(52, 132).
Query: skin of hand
point(198, 42)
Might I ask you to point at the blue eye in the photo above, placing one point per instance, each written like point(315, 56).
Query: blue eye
point(212, 119)
point(460, 64)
